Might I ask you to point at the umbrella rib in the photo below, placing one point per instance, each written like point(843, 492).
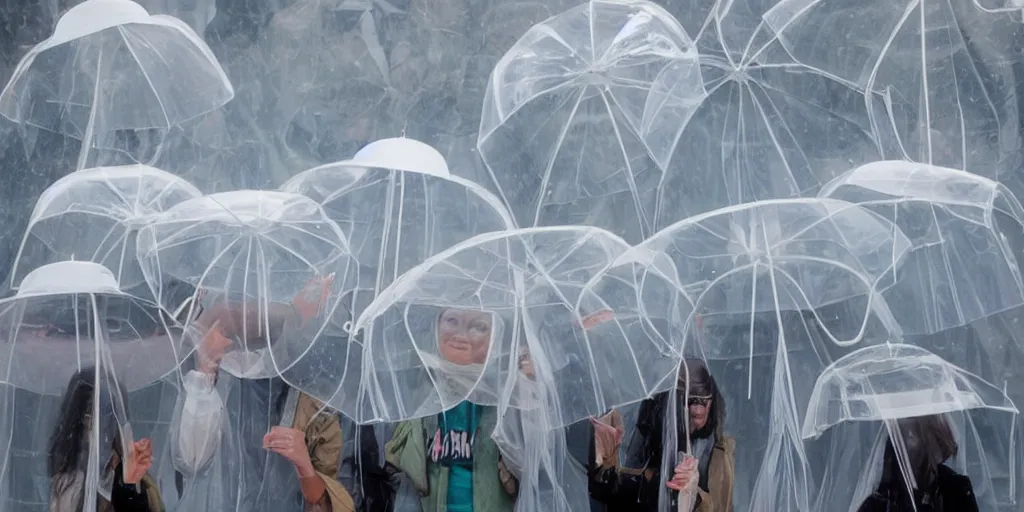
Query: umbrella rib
point(631, 180)
point(125, 37)
point(546, 179)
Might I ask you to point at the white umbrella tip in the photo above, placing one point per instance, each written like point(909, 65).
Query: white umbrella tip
point(93, 16)
point(402, 154)
point(66, 277)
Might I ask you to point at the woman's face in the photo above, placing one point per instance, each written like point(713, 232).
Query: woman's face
point(698, 396)
point(700, 407)
point(919, 457)
point(464, 336)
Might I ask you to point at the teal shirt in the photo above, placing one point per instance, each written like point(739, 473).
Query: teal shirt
point(458, 427)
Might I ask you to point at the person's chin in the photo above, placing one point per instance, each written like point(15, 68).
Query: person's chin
point(458, 357)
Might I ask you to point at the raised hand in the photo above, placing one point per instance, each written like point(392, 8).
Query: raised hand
point(594, 319)
point(138, 461)
point(526, 364)
point(311, 299)
point(211, 349)
point(685, 475)
point(290, 443)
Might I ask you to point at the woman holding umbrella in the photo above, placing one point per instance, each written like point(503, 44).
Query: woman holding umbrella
point(449, 458)
point(266, 415)
point(708, 469)
point(132, 489)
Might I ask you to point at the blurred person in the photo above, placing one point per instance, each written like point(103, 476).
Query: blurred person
point(711, 464)
point(282, 449)
point(929, 442)
point(362, 471)
point(449, 458)
point(131, 488)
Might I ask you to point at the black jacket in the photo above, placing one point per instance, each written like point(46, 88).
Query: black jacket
point(129, 498)
point(949, 492)
point(633, 491)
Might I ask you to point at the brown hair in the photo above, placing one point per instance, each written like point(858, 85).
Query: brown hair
point(936, 436)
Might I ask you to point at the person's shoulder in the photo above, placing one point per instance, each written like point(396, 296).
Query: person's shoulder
point(726, 443)
point(874, 502)
point(950, 480)
point(957, 490)
point(311, 401)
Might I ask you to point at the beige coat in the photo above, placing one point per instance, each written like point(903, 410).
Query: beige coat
point(323, 439)
point(721, 475)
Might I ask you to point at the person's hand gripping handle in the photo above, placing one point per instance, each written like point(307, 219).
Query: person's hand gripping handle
point(608, 433)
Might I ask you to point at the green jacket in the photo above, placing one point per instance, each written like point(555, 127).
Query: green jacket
point(407, 450)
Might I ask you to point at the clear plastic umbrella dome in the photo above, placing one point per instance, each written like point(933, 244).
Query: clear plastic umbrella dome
point(580, 116)
point(398, 204)
point(793, 254)
point(758, 136)
point(765, 294)
point(95, 215)
point(520, 284)
point(265, 268)
point(110, 65)
point(919, 65)
point(894, 381)
point(256, 257)
point(965, 231)
point(70, 325)
point(882, 414)
point(63, 311)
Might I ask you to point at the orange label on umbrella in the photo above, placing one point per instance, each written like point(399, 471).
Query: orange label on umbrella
point(594, 319)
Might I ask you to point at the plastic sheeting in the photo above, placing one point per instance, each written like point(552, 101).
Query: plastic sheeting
point(665, 255)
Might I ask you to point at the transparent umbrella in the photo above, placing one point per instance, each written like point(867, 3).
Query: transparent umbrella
point(109, 65)
point(493, 321)
point(410, 370)
point(397, 204)
point(71, 331)
point(768, 128)
point(581, 115)
point(764, 295)
point(787, 254)
point(265, 267)
point(929, 96)
point(261, 259)
point(909, 423)
point(965, 230)
point(95, 215)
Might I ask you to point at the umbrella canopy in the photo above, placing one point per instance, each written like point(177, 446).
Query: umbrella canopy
point(965, 231)
point(95, 215)
point(520, 288)
point(894, 381)
point(398, 205)
point(268, 264)
point(928, 98)
point(888, 416)
point(110, 65)
point(580, 116)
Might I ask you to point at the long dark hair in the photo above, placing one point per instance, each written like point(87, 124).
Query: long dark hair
point(70, 436)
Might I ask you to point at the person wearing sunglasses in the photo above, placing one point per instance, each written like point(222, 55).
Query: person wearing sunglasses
point(707, 468)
